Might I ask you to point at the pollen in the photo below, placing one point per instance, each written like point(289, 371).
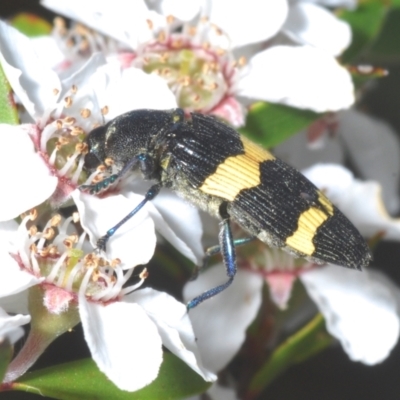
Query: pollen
point(164, 57)
point(68, 102)
point(162, 36)
point(242, 61)
point(70, 241)
point(85, 113)
point(76, 131)
point(104, 110)
point(49, 233)
point(69, 121)
point(55, 91)
point(59, 24)
point(81, 148)
point(144, 274)
point(192, 30)
point(33, 214)
point(177, 44)
point(109, 161)
point(74, 89)
point(101, 168)
point(55, 220)
point(115, 262)
point(213, 86)
point(75, 217)
point(217, 29)
point(150, 24)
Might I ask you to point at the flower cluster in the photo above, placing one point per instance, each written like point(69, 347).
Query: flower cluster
point(51, 259)
point(118, 56)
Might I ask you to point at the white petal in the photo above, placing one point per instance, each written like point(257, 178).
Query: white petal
point(359, 311)
point(184, 221)
point(33, 83)
point(30, 182)
point(360, 201)
point(123, 341)
point(134, 242)
point(47, 51)
point(313, 25)
point(300, 76)
point(137, 89)
point(297, 152)
point(82, 77)
point(374, 149)
point(248, 21)
point(16, 303)
point(125, 21)
point(13, 280)
point(178, 221)
point(174, 327)
point(10, 326)
point(220, 323)
point(182, 9)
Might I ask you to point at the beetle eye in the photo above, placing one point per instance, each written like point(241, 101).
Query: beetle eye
point(91, 161)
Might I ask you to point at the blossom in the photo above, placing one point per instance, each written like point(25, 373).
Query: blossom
point(60, 275)
point(54, 265)
point(52, 146)
point(360, 308)
point(204, 63)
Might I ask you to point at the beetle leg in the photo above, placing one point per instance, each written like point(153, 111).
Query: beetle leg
point(211, 251)
point(227, 247)
point(104, 183)
point(150, 195)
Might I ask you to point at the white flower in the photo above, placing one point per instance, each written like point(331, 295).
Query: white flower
point(55, 264)
point(220, 322)
point(359, 311)
point(291, 52)
point(52, 146)
point(112, 313)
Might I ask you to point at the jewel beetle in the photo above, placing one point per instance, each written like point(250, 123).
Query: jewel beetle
point(223, 173)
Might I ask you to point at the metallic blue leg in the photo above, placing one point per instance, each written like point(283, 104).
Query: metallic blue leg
point(211, 251)
point(141, 159)
point(150, 195)
point(227, 247)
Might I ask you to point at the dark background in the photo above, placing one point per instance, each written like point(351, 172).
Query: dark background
point(329, 375)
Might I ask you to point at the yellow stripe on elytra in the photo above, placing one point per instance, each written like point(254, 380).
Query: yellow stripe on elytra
point(308, 224)
point(322, 199)
point(237, 172)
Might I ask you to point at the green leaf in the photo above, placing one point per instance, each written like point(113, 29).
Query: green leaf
point(308, 341)
point(31, 25)
point(8, 109)
point(386, 46)
point(365, 22)
point(5, 357)
point(271, 124)
point(83, 380)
